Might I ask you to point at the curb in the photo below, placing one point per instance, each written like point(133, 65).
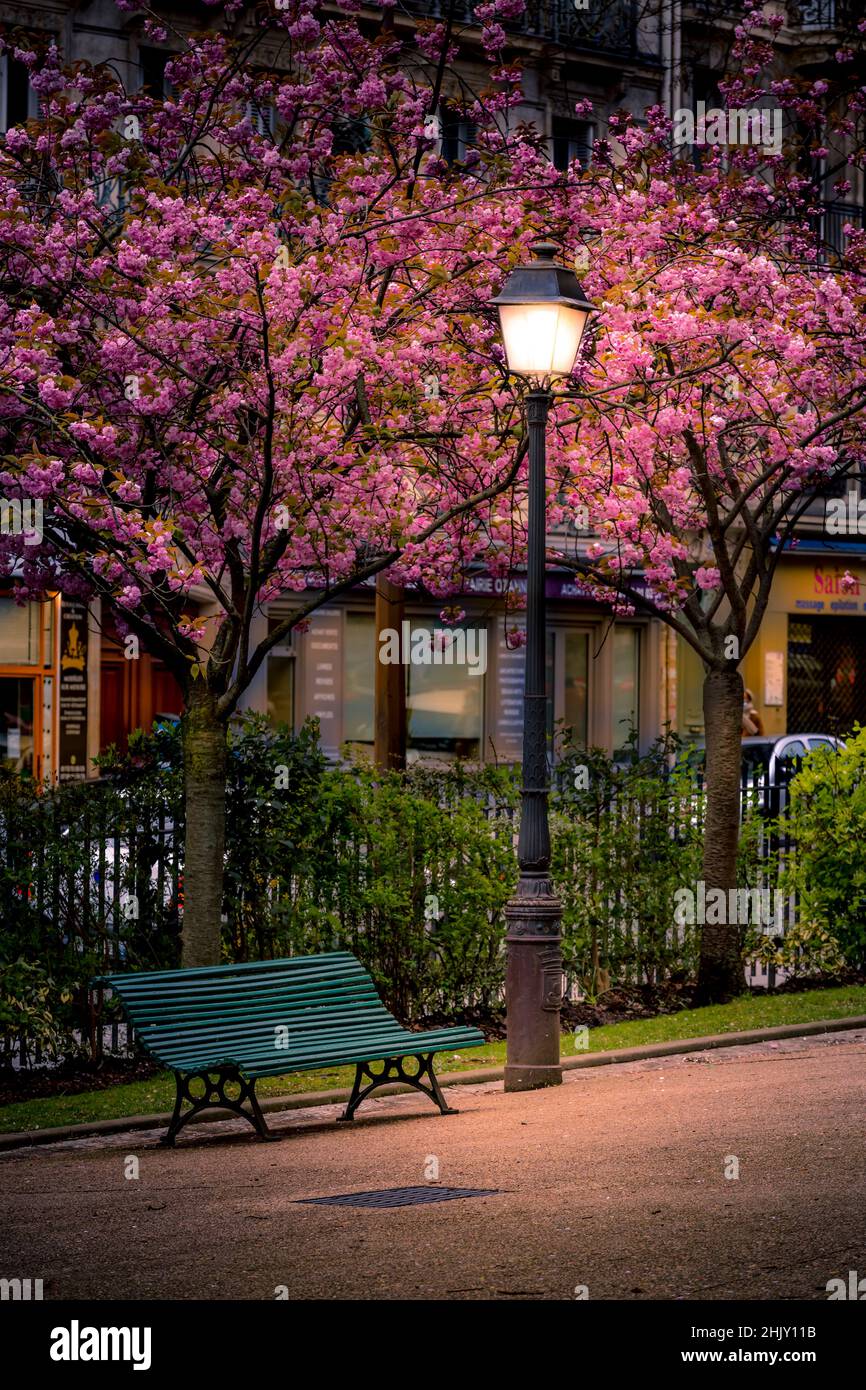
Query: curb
point(308, 1099)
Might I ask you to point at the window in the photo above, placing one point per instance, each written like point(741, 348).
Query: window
point(18, 101)
point(572, 140)
point(576, 693)
point(281, 689)
point(19, 632)
point(281, 680)
point(359, 678)
point(567, 686)
point(152, 64)
point(17, 709)
point(444, 703)
point(261, 117)
point(817, 14)
point(626, 685)
point(350, 136)
point(458, 135)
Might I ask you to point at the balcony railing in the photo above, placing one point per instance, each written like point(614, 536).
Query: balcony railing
point(820, 14)
point(603, 27)
point(802, 14)
point(831, 225)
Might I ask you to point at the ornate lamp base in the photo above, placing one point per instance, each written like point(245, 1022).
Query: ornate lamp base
point(533, 985)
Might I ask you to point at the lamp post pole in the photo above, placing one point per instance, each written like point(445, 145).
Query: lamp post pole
point(533, 915)
point(542, 313)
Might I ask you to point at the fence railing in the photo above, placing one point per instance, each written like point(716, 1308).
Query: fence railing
point(412, 878)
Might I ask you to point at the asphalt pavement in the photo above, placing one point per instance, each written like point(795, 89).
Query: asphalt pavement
point(732, 1174)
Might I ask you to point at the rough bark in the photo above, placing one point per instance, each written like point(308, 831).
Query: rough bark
point(204, 761)
point(720, 976)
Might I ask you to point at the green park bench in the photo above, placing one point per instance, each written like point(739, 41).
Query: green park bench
point(219, 1028)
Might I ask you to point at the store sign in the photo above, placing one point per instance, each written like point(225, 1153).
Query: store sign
point(834, 589)
point(73, 691)
point(324, 675)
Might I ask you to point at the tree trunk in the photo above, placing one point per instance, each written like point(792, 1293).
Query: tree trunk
point(204, 766)
point(720, 976)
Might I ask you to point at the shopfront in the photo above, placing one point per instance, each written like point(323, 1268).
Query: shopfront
point(28, 686)
point(602, 676)
point(807, 670)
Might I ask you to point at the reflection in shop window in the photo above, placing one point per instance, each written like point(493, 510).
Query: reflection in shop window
point(444, 703)
point(16, 723)
point(281, 689)
point(443, 708)
point(19, 633)
point(626, 691)
point(576, 703)
point(359, 678)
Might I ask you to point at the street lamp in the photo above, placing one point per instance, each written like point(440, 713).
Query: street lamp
point(542, 312)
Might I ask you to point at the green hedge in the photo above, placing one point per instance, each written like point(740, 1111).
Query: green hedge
point(409, 871)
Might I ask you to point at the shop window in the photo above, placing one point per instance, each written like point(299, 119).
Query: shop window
point(567, 686)
point(281, 689)
point(19, 632)
point(444, 704)
point(576, 690)
point(359, 678)
point(17, 745)
point(626, 685)
point(281, 678)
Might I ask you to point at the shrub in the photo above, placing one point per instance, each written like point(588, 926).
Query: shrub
point(29, 1001)
point(826, 818)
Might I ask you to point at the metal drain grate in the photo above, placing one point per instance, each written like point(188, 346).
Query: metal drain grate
point(398, 1197)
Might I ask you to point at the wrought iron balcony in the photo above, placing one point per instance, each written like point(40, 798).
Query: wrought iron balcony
point(610, 28)
point(832, 222)
point(821, 14)
point(802, 14)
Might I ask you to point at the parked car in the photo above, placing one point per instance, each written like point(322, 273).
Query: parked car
point(778, 758)
point(769, 764)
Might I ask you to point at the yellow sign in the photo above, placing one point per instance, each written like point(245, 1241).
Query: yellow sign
point(73, 657)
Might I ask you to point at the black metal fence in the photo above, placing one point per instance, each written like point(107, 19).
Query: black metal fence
point(91, 878)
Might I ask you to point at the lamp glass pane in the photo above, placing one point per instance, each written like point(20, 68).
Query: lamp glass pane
point(541, 339)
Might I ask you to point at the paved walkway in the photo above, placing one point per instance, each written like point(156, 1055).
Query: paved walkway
point(615, 1180)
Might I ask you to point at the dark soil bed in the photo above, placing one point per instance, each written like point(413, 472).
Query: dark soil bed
point(71, 1078)
point(624, 1002)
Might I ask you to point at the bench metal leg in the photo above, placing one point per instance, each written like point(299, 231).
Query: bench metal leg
point(214, 1097)
point(394, 1069)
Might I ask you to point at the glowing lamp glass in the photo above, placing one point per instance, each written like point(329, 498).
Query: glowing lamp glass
point(541, 339)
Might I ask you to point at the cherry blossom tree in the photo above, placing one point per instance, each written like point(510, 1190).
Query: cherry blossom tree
point(239, 363)
point(727, 387)
point(242, 363)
